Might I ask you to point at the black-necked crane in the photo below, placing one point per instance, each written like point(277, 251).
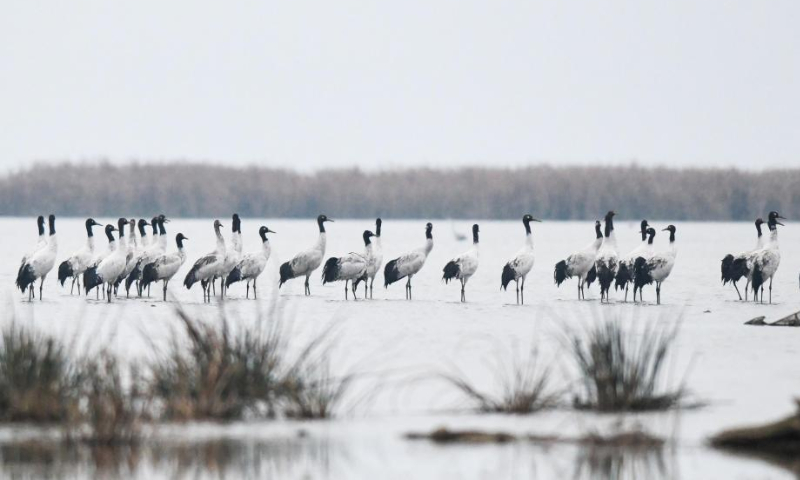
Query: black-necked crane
point(625, 271)
point(656, 267)
point(409, 264)
point(208, 267)
point(38, 264)
point(580, 264)
point(518, 268)
point(79, 261)
point(464, 266)
point(251, 265)
point(304, 263)
point(734, 267)
point(111, 267)
point(165, 266)
point(607, 260)
point(233, 252)
point(766, 261)
point(350, 267)
point(374, 253)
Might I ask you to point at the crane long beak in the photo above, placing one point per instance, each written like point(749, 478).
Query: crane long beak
point(665, 230)
point(536, 220)
point(779, 223)
point(271, 231)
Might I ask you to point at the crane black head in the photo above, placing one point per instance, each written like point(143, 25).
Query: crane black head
point(759, 222)
point(236, 223)
point(610, 222)
point(154, 224)
point(526, 220)
point(475, 230)
point(51, 220)
point(132, 224)
point(40, 224)
point(163, 219)
point(179, 238)
point(429, 231)
point(142, 223)
point(217, 225)
point(90, 222)
point(651, 233)
point(773, 219)
point(321, 219)
point(378, 223)
point(671, 229)
point(643, 229)
point(598, 229)
point(367, 235)
point(121, 222)
point(109, 232)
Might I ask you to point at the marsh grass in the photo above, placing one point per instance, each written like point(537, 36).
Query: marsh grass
point(36, 377)
point(219, 375)
point(110, 412)
point(620, 370)
point(523, 387)
point(224, 374)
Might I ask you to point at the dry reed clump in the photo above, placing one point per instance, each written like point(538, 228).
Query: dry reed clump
point(620, 371)
point(524, 388)
point(40, 382)
point(220, 375)
point(36, 377)
point(109, 412)
point(225, 375)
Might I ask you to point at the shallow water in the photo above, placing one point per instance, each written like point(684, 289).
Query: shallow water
point(745, 374)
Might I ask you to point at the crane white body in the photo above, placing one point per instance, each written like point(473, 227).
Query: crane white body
point(251, 265)
point(408, 265)
point(518, 268)
point(580, 264)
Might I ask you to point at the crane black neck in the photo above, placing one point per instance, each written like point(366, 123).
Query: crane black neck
point(475, 234)
point(142, 231)
point(652, 235)
point(109, 234)
point(236, 224)
point(154, 225)
point(121, 227)
point(321, 225)
point(40, 224)
point(263, 233)
point(609, 225)
point(671, 236)
point(429, 233)
point(161, 229)
point(179, 241)
point(378, 223)
point(644, 230)
point(89, 225)
point(52, 223)
point(366, 236)
point(527, 223)
point(598, 232)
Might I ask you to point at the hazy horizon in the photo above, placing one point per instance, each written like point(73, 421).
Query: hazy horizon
point(311, 85)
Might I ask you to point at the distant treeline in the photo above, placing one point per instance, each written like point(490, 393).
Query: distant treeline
point(201, 190)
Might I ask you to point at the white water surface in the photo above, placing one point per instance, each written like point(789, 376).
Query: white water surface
point(743, 374)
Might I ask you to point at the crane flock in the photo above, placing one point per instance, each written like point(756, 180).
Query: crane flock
point(138, 259)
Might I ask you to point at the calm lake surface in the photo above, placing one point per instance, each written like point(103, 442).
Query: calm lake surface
point(744, 374)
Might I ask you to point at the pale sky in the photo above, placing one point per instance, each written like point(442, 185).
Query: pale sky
point(311, 84)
